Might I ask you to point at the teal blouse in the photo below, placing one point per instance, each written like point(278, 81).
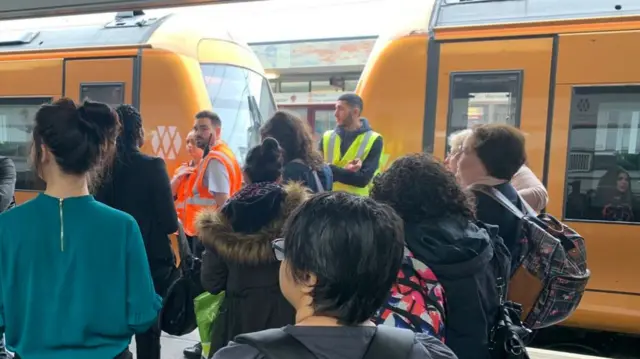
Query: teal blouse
point(74, 279)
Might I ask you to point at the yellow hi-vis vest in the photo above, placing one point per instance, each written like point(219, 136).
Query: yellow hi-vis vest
point(359, 149)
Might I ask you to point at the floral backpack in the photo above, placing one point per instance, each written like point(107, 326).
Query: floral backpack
point(416, 301)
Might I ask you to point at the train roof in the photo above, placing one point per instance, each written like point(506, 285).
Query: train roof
point(132, 28)
point(448, 13)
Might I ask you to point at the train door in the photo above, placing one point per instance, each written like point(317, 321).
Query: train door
point(498, 81)
point(108, 80)
point(595, 178)
point(24, 87)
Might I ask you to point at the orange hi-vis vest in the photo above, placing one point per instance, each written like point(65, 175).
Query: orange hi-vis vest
point(181, 192)
point(197, 195)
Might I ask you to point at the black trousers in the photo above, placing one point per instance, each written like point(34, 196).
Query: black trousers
point(148, 344)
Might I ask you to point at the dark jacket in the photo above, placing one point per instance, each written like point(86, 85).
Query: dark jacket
point(140, 186)
point(300, 172)
point(459, 253)
point(370, 164)
point(341, 343)
point(490, 211)
point(239, 260)
point(7, 184)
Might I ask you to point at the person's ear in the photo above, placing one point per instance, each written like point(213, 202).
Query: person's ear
point(309, 282)
point(46, 154)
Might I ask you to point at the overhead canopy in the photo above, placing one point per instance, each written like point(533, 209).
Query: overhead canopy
point(10, 9)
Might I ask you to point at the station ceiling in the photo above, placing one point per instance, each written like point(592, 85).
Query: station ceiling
point(21, 9)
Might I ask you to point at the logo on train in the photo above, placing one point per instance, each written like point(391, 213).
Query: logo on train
point(166, 142)
point(584, 105)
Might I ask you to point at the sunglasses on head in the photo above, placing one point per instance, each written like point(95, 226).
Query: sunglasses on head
point(278, 248)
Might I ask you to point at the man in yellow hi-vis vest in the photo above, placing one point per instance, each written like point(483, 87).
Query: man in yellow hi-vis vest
point(352, 149)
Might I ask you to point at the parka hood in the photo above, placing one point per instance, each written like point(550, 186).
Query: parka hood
point(216, 230)
point(451, 247)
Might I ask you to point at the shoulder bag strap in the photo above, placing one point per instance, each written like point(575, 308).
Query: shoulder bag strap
point(504, 201)
point(390, 342)
point(276, 344)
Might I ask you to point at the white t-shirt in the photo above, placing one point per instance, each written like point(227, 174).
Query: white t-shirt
point(216, 178)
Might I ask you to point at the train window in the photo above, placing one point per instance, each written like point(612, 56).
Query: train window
point(486, 97)
point(109, 93)
point(231, 91)
point(290, 87)
point(603, 164)
point(16, 131)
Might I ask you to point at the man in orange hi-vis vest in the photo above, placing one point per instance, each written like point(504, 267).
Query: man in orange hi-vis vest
point(217, 177)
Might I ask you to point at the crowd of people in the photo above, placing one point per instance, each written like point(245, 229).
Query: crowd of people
point(318, 251)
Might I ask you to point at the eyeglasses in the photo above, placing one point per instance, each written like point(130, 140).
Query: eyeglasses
point(278, 248)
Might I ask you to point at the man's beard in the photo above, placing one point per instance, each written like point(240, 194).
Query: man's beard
point(347, 122)
point(202, 143)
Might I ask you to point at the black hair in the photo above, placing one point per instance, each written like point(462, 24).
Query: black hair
point(264, 162)
point(79, 137)
point(131, 133)
point(607, 187)
point(421, 189)
point(501, 148)
point(353, 245)
point(212, 116)
point(353, 100)
point(294, 136)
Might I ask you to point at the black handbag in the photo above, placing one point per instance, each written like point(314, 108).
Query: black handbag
point(507, 338)
point(177, 316)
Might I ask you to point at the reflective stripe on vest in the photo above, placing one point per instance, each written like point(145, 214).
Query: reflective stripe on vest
point(359, 149)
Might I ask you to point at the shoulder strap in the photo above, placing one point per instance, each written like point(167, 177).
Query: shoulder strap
point(504, 201)
point(390, 342)
point(319, 186)
point(276, 344)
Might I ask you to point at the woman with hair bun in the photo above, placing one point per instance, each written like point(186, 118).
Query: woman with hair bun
point(238, 258)
point(77, 269)
point(139, 185)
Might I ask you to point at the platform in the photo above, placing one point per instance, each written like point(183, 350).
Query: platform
point(172, 349)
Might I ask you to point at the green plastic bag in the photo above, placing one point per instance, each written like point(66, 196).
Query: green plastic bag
point(207, 307)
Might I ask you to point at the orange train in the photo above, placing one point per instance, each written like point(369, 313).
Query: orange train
point(168, 67)
point(564, 72)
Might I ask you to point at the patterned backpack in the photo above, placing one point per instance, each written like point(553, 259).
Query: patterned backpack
point(552, 274)
point(416, 301)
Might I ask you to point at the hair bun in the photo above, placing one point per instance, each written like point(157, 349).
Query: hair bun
point(66, 103)
point(270, 144)
point(97, 119)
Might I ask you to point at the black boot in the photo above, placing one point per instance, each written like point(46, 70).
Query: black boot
point(194, 352)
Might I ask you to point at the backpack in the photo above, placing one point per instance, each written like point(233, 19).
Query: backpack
point(416, 301)
point(178, 316)
point(552, 273)
point(387, 343)
point(319, 186)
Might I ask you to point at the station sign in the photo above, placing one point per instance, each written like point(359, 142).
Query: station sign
point(22, 9)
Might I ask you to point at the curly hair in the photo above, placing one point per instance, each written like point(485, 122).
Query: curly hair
point(294, 137)
point(420, 188)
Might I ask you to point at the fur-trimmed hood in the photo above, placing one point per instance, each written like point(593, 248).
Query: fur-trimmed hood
point(215, 231)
